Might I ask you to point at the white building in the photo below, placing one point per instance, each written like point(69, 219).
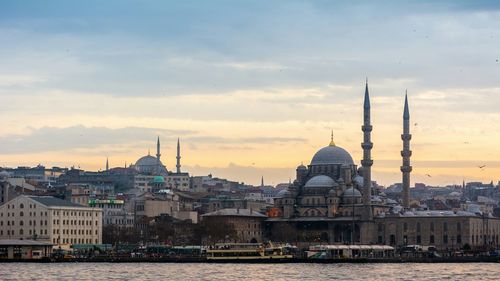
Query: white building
point(114, 212)
point(50, 219)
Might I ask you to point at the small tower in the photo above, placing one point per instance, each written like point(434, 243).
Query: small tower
point(406, 154)
point(262, 181)
point(107, 163)
point(178, 165)
point(367, 161)
point(158, 155)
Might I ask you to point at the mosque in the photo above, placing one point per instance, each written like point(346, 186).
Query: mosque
point(332, 200)
point(153, 174)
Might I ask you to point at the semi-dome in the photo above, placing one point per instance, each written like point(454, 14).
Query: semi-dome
point(351, 192)
point(320, 181)
point(332, 154)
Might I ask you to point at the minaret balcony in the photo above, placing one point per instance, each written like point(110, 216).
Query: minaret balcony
point(406, 153)
point(406, 137)
point(367, 145)
point(406, 169)
point(367, 128)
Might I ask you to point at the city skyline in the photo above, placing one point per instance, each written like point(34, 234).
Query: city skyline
point(78, 86)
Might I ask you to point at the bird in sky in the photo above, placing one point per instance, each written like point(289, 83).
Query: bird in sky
point(481, 167)
point(428, 175)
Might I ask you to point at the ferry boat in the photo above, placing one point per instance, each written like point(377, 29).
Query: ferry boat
point(247, 251)
point(350, 252)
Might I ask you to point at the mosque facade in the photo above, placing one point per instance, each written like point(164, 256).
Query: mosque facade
point(332, 200)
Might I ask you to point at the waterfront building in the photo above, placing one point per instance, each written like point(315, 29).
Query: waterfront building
point(50, 219)
point(247, 223)
point(24, 249)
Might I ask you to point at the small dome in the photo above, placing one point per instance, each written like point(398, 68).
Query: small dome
point(320, 181)
point(332, 154)
point(332, 192)
point(359, 180)
point(158, 179)
point(301, 167)
point(351, 192)
point(283, 193)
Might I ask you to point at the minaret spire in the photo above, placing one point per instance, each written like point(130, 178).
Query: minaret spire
point(107, 163)
point(332, 143)
point(406, 154)
point(367, 162)
point(262, 181)
point(178, 166)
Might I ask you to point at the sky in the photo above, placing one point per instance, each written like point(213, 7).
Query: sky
point(251, 88)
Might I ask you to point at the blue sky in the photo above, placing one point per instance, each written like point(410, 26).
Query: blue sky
point(221, 73)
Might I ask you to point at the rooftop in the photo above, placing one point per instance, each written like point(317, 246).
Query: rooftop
point(50, 201)
point(235, 212)
point(17, 242)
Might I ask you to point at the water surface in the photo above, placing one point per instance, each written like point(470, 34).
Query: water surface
point(195, 271)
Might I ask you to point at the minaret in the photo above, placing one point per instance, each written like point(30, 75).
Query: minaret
point(367, 161)
point(158, 155)
point(107, 164)
point(262, 181)
point(178, 166)
point(406, 154)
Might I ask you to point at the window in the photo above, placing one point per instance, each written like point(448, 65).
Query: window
point(459, 239)
point(432, 226)
point(21, 214)
point(445, 226)
point(21, 206)
point(405, 227)
point(393, 239)
point(459, 226)
point(445, 239)
point(431, 239)
point(419, 239)
point(418, 227)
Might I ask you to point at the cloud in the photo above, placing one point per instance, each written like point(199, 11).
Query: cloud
point(80, 137)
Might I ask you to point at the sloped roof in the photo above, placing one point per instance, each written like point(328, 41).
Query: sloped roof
point(50, 201)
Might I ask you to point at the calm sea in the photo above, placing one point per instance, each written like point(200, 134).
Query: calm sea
point(186, 271)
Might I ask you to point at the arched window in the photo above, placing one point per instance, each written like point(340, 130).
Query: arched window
point(21, 214)
point(21, 223)
point(21, 206)
point(21, 232)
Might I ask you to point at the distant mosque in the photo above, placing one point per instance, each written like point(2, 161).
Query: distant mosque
point(150, 165)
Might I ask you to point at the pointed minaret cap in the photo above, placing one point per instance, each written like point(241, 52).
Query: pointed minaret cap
point(332, 143)
point(406, 113)
point(367, 95)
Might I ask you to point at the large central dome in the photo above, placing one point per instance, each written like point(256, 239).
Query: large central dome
point(332, 154)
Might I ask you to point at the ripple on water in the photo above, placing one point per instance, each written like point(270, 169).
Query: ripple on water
point(186, 272)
